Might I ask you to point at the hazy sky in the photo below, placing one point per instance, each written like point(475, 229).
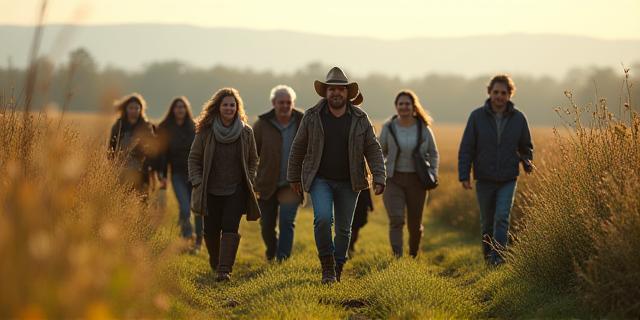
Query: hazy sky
point(612, 19)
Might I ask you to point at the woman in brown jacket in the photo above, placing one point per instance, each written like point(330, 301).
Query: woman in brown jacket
point(222, 169)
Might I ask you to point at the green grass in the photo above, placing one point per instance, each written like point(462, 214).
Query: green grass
point(448, 280)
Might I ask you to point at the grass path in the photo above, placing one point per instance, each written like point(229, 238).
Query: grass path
point(447, 280)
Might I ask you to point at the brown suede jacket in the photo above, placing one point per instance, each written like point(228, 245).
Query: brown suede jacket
point(269, 145)
point(200, 165)
point(306, 151)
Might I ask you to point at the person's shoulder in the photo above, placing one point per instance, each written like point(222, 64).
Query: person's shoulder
point(146, 124)
point(298, 112)
point(247, 128)
point(518, 113)
point(387, 122)
point(202, 131)
point(478, 110)
point(315, 109)
point(258, 123)
point(270, 113)
point(116, 125)
point(426, 127)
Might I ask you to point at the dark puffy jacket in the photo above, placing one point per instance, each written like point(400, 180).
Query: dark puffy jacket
point(491, 160)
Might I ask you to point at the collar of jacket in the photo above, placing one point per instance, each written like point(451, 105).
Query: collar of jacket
point(296, 114)
point(353, 110)
point(508, 112)
point(125, 125)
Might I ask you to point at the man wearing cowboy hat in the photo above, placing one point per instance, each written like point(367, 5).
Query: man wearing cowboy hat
point(327, 159)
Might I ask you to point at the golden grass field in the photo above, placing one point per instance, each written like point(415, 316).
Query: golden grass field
point(75, 244)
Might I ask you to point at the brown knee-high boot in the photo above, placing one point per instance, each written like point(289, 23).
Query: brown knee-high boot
point(228, 249)
point(213, 247)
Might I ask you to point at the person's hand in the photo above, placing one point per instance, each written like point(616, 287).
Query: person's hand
point(163, 183)
point(296, 187)
point(379, 189)
point(467, 185)
point(528, 166)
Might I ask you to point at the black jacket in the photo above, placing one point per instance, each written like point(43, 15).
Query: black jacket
point(175, 144)
point(491, 160)
point(133, 142)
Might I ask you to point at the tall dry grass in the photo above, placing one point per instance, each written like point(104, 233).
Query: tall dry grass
point(581, 230)
point(74, 241)
point(458, 208)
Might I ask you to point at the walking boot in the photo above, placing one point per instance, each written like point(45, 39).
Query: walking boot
point(228, 250)
point(328, 264)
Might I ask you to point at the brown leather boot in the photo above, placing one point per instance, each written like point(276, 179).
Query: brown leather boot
point(213, 247)
point(328, 264)
point(228, 250)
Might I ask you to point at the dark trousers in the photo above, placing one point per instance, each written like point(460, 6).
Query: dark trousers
point(224, 212)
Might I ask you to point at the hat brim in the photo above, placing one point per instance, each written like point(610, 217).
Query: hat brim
point(321, 88)
point(358, 100)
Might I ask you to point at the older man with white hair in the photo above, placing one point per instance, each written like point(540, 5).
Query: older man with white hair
point(274, 132)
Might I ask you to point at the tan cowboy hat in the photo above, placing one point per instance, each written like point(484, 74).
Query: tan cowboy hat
point(358, 99)
point(336, 77)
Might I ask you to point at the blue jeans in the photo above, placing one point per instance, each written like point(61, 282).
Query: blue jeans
point(277, 247)
point(331, 199)
point(495, 200)
point(182, 189)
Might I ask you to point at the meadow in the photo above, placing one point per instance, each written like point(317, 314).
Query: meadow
point(75, 244)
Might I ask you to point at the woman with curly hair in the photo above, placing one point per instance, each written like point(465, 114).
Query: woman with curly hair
point(222, 168)
point(132, 141)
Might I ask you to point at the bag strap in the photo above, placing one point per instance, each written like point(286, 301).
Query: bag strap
point(392, 131)
point(416, 150)
point(419, 143)
point(395, 138)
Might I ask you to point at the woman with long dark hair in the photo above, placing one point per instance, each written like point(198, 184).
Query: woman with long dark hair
point(132, 141)
point(176, 132)
point(407, 131)
point(222, 168)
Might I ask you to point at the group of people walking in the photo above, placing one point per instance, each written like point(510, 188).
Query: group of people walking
point(222, 168)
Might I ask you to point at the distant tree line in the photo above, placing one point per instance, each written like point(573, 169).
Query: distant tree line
point(81, 84)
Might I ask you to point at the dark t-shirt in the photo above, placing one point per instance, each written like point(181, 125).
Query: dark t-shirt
point(334, 164)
